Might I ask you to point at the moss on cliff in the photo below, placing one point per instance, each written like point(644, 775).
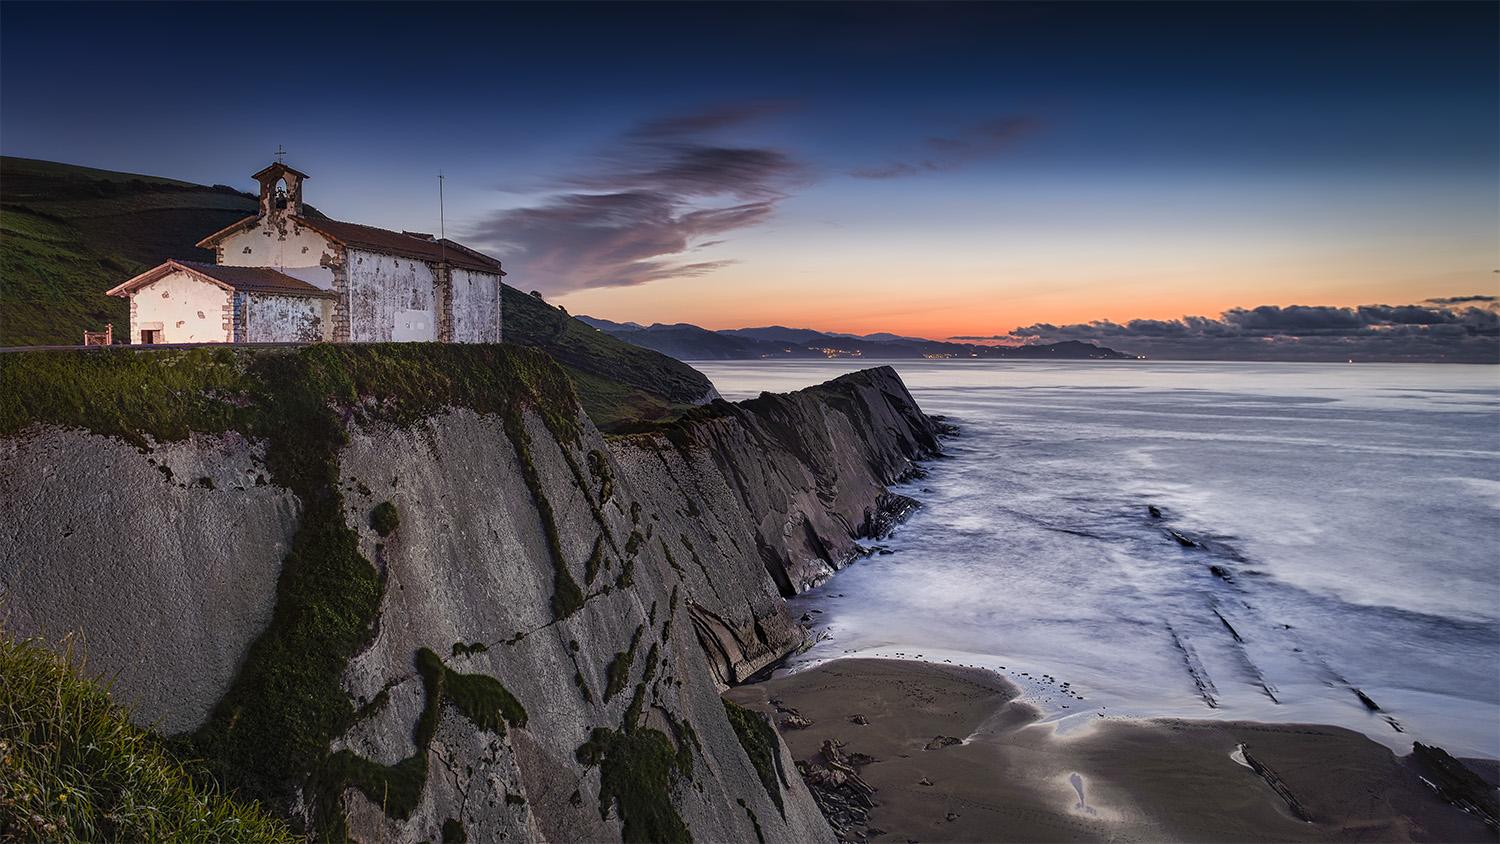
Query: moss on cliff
point(485, 701)
point(384, 518)
point(397, 788)
point(618, 672)
point(637, 770)
point(759, 740)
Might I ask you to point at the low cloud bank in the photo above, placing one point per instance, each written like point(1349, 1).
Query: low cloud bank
point(1452, 329)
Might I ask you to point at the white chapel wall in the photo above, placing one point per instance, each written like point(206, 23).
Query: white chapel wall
point(300, 254)
point(184, 308)
point(389, 298)
point(287, 319)
point(476, 307)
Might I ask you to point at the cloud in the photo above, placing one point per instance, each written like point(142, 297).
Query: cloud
point(1447, 329)
point(581, 240)
point(1459, 300)
point(977, 142)
point(665, 188)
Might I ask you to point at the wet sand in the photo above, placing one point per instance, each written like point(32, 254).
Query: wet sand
point(1013, 779)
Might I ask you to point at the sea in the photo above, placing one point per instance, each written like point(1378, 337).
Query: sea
point(1324, 545)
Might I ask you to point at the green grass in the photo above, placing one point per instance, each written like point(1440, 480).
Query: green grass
point(67, 234)
point(74, 768)
point(611, 373)
point(484, 701)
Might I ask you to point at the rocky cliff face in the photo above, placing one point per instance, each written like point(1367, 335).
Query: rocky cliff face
point(403, 592)
point(782, 486)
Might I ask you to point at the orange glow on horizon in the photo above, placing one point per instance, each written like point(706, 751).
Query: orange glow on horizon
point(954, 308)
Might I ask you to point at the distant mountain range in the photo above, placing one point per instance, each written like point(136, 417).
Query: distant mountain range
point(685, 341)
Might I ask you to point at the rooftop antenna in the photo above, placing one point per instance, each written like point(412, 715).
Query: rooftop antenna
point(280, 154)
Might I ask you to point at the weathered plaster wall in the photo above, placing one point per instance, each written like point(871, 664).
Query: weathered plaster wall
point(280, 243)
point(476, 307)
point(162, 563)
point(287, 319)
point(185, 308)
point(390, 298)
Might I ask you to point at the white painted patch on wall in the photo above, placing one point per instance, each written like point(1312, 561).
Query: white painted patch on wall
point(413, 326)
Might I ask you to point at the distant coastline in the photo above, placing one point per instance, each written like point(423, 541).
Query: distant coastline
point(686, 341)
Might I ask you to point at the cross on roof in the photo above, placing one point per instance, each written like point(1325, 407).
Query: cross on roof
point(280, 155)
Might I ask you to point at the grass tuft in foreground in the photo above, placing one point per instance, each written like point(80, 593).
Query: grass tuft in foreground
point(73, 767)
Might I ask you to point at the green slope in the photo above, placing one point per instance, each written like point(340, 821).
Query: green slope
point(617, 383)
point(69, 233)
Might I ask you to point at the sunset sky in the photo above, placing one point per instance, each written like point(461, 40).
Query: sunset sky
point(933, 170)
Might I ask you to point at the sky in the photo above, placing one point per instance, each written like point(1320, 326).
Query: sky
point(1012, 171)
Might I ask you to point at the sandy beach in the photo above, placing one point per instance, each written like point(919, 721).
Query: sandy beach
point(952, 755)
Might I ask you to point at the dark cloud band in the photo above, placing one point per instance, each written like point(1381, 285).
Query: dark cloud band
point(1457, 328)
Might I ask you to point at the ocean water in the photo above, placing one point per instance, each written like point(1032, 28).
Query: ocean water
point(1345, 521)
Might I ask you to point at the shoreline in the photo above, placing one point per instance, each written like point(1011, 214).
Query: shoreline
point(951, 753)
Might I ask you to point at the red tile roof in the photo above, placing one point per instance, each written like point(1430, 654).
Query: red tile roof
point(398, 243)
point(259, 280)
point(262, 280)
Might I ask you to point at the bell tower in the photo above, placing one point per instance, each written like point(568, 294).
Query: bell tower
point(280, 190)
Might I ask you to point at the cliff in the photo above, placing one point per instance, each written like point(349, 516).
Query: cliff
point(399, 592)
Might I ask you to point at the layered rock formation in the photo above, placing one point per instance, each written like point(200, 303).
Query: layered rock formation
point(527, 642)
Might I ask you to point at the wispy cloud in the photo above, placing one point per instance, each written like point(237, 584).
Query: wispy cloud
point(666, 188)
point(1464, 328)
point(940, 153)
point(1460, 300)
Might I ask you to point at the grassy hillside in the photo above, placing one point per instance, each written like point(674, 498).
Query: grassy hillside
point(617, 382)
point(74, 768)
point(69, 233)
